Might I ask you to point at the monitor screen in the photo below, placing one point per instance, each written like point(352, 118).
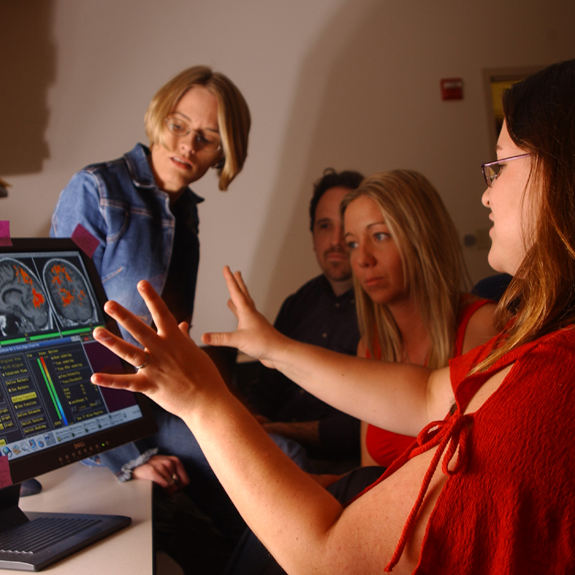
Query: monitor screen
point(51, 299)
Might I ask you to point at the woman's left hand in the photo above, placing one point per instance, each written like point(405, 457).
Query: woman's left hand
point(174, 372)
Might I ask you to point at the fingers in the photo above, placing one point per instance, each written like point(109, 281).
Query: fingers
point(181, 474)
point(240, 300)
point(233, 308)
point(248, 298)
point(141, 332)
point(243, 288)
point(237, 288)
point(165, 470)
point(219, 339)
point(128, 352)
point(240, 281)
point(163, 319)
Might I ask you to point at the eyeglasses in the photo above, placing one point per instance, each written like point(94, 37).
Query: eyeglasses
point(491, 170)
point(202, 141)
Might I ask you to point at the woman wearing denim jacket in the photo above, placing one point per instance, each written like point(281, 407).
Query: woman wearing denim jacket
point(144, 217)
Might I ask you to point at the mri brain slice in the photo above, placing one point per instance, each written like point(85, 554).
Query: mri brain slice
point(69, 293)
point(23, 305)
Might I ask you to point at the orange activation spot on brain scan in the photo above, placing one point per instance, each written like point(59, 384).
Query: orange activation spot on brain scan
point(21, 273)
point(66, 296)
point(38, 298)
point(59, 270)
point(60, 276)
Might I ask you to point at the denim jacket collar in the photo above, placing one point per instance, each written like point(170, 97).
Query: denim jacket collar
point(142, 176)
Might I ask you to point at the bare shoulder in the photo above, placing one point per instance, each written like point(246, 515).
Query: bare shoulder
point(481, 327)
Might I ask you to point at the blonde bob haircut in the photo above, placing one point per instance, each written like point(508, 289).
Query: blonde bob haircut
point(233, 116)
point(433, 267)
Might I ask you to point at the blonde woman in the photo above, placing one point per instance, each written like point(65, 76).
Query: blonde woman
point(138, 211)
point(409, 280)
point(140, 218)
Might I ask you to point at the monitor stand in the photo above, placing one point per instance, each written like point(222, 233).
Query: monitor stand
point(31, 541)
point(30, 487)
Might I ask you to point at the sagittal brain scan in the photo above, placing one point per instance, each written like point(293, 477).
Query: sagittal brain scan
point(69, 293)
point(23, 304)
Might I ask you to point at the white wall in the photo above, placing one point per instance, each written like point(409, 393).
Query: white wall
point(343, 83)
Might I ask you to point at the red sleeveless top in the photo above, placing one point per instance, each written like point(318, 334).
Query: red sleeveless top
point(385, 446)
point(509, 503)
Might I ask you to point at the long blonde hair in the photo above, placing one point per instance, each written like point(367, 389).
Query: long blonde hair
point(433, 266)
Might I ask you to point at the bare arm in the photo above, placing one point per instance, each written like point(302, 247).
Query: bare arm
point(302, 525)
point(392, 396)
point(366, 458)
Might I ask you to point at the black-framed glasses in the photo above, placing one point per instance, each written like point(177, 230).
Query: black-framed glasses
point(202, 140)
point(491, 170)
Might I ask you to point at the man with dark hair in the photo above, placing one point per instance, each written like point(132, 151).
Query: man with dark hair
point(322, 312)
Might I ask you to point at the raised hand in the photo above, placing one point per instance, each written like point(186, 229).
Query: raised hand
point(254, 336)
point(173, 371)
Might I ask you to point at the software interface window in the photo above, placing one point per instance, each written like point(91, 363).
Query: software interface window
point(47, 355)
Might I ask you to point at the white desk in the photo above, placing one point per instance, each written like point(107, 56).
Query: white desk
point(81, 489)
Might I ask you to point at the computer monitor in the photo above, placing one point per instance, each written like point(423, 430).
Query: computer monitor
point(51, 299)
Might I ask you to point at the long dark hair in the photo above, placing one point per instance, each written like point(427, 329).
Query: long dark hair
point(540, 117)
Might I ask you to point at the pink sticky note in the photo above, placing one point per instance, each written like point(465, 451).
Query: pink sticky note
point(85, 240)
point(5, 233)
point(5, 477)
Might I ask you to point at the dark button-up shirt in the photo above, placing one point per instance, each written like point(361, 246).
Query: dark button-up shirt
point(315, 315)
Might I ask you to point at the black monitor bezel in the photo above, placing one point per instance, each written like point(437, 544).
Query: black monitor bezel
point(52, 458)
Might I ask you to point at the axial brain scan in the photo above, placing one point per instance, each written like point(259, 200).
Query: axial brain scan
point(23, 305)
point(69, 293)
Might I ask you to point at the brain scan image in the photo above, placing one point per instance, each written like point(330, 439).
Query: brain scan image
point(69, 293)
point(23, 305)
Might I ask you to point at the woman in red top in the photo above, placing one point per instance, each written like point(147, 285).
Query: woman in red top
point(409, 277)
point(488, 487)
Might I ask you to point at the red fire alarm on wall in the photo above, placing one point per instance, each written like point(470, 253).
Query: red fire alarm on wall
point(452, 89)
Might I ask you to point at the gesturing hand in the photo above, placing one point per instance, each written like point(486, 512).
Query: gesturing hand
point(173, 372)
point(254, 336)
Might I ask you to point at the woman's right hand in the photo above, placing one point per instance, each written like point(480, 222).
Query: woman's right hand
point(165, 470)
point(254, 336)
point(173, 371)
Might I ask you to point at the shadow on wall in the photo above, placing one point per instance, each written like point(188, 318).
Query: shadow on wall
point(317, 138)
point(27, 68)
point(368, 99)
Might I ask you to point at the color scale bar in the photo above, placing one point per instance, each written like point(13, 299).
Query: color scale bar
point(52, 389)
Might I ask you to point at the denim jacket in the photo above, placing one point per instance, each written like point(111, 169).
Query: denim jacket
point(119, 203)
